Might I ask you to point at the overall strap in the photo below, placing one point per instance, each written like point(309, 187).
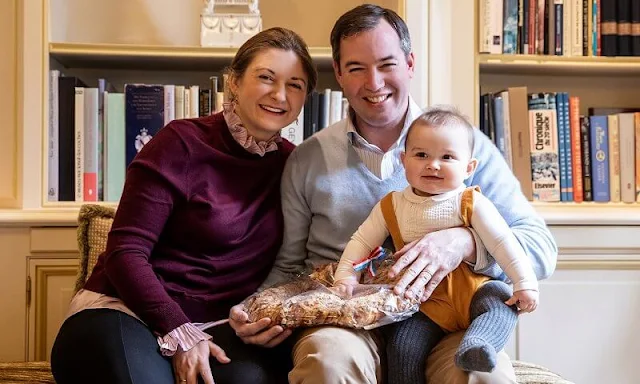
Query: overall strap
point(389, 214)
point(466, 205)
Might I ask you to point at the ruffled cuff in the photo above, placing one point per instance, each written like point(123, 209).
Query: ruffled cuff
point(185, 336)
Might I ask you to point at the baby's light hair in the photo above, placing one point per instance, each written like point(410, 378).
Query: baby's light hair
point(443, 116)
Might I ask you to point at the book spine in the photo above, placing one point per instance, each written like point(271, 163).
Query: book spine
point(116, 156)
point(544, 155)
point(510, 27)
point(79, 145)
point(626, 125)
point(562, 155)
point(576, 28)
point(614, 158)
point(520, 45)
point(144, 116)
point(169, 103)
point(586, 158)
point(599, 158)
point(637, 142)
point(205, 102)
point(91, 150)
point(495, 26)
point(624, 27)
point(179, 102)
point(576, 148)
point(533, 16)
point(294, 132)
point(194, 101)
point(608, 27)
point(567, 145)
point(559, 27)
point(635, 28)
point(53, 161)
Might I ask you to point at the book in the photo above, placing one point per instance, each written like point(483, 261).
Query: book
point(545, 168)
point(144, 116)
point(599, 131)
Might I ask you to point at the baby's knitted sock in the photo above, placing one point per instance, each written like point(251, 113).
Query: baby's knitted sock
point(492, 322)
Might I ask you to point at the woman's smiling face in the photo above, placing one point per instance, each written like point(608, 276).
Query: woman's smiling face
point(271, 93)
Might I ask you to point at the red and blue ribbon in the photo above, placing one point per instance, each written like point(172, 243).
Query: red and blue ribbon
point(369, 263)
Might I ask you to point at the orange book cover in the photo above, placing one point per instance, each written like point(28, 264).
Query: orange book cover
point(576, 148)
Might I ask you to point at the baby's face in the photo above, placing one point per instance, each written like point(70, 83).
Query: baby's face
point(437, 159)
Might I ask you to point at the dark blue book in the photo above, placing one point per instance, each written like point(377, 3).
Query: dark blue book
point(144, 116)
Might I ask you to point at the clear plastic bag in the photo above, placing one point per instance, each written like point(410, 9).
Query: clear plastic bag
point(307, 301)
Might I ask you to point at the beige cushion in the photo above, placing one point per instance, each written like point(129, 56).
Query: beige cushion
point(94, 224)
point(528, 373)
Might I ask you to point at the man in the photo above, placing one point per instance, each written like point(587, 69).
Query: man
point(333, 180)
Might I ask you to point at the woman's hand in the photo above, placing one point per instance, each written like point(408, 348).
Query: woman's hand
point(187, 365)
point(260, 332)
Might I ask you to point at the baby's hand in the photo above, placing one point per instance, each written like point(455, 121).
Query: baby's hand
point(526, 300)
point(344, 289)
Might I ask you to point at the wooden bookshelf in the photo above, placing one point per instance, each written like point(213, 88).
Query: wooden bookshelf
point(558, 65)
point(154, 57)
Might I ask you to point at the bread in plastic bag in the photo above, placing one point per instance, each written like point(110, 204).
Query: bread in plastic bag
point(307, 301)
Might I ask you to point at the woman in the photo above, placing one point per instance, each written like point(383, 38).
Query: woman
point(197, 229)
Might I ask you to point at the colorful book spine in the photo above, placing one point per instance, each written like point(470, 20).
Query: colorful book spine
point(600, 158)
point(614, 158)
point(585, 135)
point(576, 148)
point(544, 155)
point(567, 145)
point(562, 154)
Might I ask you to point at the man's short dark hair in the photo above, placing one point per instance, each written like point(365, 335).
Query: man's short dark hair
point(364, 18)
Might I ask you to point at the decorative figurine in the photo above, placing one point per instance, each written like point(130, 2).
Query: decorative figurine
point(228, 29)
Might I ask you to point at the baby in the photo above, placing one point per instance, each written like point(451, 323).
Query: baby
point(437, 159)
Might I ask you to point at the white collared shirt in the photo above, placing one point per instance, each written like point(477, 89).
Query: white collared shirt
point(382, 164)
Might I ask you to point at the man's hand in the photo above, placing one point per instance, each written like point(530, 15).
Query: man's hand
point(188, 365)
point(526, 300)
point(431, 259)
point(260, 332)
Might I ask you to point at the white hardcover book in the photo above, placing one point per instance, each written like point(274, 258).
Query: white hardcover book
point(576, 28)
point(53, 160)
point(626, 127)
point(496, 26)
point(91, 151)
point(194, 101)
point(545, 167)
point(614, 158)
point(326, 110)
point(169, 103)
point(78, 125)
point(484, 28)
point(187, 103)
point(219, 101)
point(335, 113)
point(294, 132)
point(179, 102)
